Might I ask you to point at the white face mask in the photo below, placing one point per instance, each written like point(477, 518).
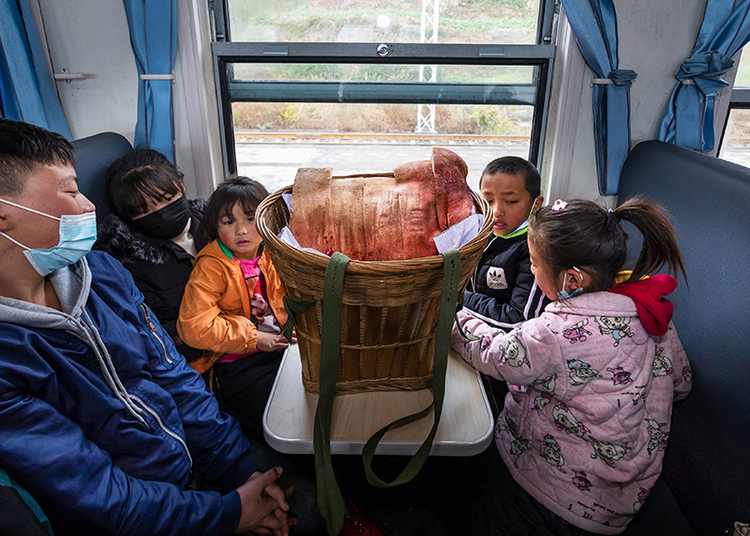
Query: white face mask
point(77, 235)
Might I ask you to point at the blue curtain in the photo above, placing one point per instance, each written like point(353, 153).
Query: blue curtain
point(153, 36)
point(594, 25)
point(27, 90)
point(688, 118)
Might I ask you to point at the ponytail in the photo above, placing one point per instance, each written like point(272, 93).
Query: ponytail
point(659, 242)
point(580, 233)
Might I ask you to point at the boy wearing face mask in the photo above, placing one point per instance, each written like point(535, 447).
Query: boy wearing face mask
point(151, 233)
point(102, 420)
point(503, 290)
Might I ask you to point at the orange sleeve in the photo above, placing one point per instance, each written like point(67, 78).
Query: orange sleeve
point(203, 323)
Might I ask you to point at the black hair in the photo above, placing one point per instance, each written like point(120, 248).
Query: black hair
point(244, 190)
point(585, 235)
point(24, 147)
point(138, 176)
point(514, 165)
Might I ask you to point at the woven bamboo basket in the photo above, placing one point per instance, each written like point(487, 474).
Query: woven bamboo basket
point(389, 311)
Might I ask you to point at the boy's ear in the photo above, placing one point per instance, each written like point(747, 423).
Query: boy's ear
point(4, 223)
point(538, 202)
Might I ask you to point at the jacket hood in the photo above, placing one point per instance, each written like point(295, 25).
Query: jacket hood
point(72, 285)
point(121, 241)
point(654, 310)
point(213, 249)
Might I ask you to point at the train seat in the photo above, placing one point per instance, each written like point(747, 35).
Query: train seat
point(94, 154)
point(706, 465)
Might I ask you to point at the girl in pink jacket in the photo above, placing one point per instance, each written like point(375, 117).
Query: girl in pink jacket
point(592, 380)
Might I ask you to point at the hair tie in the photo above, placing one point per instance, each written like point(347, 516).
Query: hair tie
point(612, 220)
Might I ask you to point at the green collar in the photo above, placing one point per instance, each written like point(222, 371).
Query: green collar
point(224, 249)
point(516, 233)
point(229, 253)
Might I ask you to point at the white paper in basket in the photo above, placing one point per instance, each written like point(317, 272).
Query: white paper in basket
point(285, 235)
point(460, 234)
point(453, 237)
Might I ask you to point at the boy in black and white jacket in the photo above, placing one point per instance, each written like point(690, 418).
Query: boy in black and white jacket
point(503, 290)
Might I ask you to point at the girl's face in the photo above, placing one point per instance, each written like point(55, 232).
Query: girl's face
point(544, 278)
point(152, 205)
point(238, 233)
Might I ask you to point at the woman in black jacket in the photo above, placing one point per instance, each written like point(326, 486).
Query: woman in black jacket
point(151, 232)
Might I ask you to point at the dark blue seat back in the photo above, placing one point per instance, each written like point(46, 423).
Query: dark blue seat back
point(93, 156)
point(707, 465)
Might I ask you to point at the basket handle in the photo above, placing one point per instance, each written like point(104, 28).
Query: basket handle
point(330, 501)
point(448, 299)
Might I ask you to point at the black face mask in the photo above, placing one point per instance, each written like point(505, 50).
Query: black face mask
point(166, 223)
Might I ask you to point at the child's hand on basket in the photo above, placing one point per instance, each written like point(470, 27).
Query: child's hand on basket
point(270, 342)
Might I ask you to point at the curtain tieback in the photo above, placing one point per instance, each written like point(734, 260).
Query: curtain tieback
point(706, 69)
point(618, 77)
point(157, 76)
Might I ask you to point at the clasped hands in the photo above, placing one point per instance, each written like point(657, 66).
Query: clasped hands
point(265, 510)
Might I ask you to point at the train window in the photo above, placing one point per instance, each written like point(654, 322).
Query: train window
point(735, 143)
point(478, 22)
point(329, 83)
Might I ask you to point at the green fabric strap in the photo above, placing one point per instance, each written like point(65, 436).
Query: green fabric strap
point(330, 501)
point(448, 300)
point(292, 306)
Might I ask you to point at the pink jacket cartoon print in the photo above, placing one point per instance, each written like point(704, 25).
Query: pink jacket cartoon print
point(585, 428)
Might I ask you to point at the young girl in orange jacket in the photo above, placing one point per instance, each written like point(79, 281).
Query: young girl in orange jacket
point(233, 305)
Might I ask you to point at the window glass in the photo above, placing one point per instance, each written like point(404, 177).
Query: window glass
point(480, 122)
point(342, 72)
point(457, 21)
point(365, 85)
point(742, 79)
point(735, 146)
point(272, 140)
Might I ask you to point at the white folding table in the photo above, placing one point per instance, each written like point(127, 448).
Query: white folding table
point(465, 427)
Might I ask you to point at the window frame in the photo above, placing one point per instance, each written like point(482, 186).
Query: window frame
point(225, 53)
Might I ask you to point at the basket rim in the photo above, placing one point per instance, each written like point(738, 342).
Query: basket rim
point(369, 267)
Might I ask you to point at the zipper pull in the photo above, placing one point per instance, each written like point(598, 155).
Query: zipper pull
point(150, 325)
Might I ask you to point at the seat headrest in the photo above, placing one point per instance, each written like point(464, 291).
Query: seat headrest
point(94, 155)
